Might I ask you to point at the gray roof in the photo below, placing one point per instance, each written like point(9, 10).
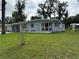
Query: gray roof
point(44, 20)
point(36, 20)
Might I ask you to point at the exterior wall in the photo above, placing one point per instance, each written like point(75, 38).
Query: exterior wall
point(13, 28)
point(16, 28)
point(9, 28)
point(59, 28)
point(38, 28)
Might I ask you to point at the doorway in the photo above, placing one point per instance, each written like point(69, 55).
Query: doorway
point(45, 26)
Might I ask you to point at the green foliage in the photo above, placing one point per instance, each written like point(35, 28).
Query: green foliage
point(62, 11)
point(16, 18)
point(63, 45)
point(8, 20)
point(53, 7)
point(18, 15)
point(35, 17)
point(72, 19)
point(47, 9)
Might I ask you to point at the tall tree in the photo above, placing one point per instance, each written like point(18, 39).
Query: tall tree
point(42, 10)
point(19, 15)
point(62, 11)
point(20, 7)
point(3, 17)
point(8, 19)
point(48, 8)
point(53, 7)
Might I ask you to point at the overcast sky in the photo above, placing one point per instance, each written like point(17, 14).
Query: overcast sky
point(32, 6)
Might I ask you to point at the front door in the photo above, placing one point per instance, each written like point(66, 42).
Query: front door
point(44, 26)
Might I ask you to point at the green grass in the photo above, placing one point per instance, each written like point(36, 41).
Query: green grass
point(63, 45)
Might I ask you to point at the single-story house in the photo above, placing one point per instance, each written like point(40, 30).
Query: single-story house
point(75, 26)
point(38, 25)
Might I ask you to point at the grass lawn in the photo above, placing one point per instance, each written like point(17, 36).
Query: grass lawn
point(63, 45)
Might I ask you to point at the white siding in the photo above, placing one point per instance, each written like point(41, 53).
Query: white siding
point(37, 27)
point(9, 28)
point(59, 28)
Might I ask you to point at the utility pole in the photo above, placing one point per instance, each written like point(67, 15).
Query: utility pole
point(3, 17)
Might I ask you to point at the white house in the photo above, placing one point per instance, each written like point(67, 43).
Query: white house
point(38, 25)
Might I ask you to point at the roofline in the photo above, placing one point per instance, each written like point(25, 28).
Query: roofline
point(45, 20)
point(32, 21)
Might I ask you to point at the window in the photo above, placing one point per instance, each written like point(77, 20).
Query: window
point(42, 24)
point(32, 25)
point(56, 24)
point(50, 25)
point(43, 29)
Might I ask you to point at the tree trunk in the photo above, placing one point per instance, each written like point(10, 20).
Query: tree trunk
point(22, 30)
point(3, 17)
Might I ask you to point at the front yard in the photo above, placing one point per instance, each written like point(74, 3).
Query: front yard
point(63, 45)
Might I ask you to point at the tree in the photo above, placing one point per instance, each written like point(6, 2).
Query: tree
point(62, 11)
point(42, 11)
point(15, 16)
point(77, 18)
point(35, 17)
point(3, 16)
point(19, 15)
point(20, 7)
point(53, 7)
point(48, 8)
point(72, 19)
point(8, 20)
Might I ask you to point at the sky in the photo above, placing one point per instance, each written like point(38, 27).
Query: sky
point(32, 6)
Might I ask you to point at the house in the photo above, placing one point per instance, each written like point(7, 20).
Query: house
point(51, 25)
point(75, 26)
point(38, 25)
